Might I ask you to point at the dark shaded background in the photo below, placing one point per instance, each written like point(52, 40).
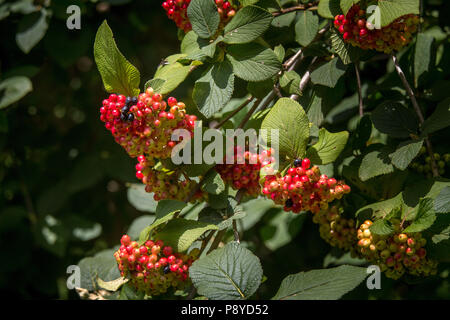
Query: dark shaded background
point(61, 171)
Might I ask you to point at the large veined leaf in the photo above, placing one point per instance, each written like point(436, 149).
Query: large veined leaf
point(346, 51)
point(424, 57)
point(214, 89)
point(248, 24)
point(327, 284)
point(393, 9)
point(118, 75)
point(376, 163)
point(103, 265)
point(172, 72)
point(329, 8)
point(253, 61)
point(306, 27)
point(290, 120)
point(424, 216)
point(439, 119)
point(230, 273)
point(165, 211)
point(203, 17)
point(405, 153)
point(395, 120)
point(181, 233)
point(328, 148)
point(442, 201)
point(329, 73)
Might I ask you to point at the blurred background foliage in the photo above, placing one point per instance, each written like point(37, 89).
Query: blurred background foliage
point(65, 185)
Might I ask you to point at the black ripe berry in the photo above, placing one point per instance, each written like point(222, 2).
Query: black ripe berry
point(289, 203)
point(127, 101)
point(130, 117)
point(124, 116)
point(297, 162)
point(125, 109)
point(166, 269)
point(134, 100)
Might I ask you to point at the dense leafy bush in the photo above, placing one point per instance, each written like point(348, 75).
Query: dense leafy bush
point(356, 90)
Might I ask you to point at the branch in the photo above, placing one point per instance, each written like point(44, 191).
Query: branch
point(307, 6)
point(416, 106)
point(358, 81)
point(249, 114)
point(242, 106)
point(305, 79)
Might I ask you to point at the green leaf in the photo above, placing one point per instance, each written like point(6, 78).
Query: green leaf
point(192, 43)
point(347, 4)
point(32, 29)
point(112, 285)
point(393, 9)
point(284, 20)
point(253, 62)
point(118, 75)
point(289, 117)
point(306, 27)
point(173, 72)
point(140, 199)
point(382, 227)
point(328, 148)
point(424, 216)
point(14, 89)
point(165, 211)
point(329, 73)
point(406, 151)
point(203, 17)
point(345, 51)
point(327, 284)
point(214, 89)
point(213, 183)
point(395, 120)
point(248, 24)
point(260, 89)
point(439, 119)
point(103, 265)
point(442, 201)
point(375, 163)
point(156, 84)
point(279, 52)
point(329, 8)
point(424, 57)
point(230, 273)
point(181, 233)
point(222, 217)
point(290, 82)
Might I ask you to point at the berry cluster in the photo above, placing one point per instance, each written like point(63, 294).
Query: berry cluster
point(335, 229)
point(177, 11)
point(422, 163)
point(359, 32)
point(153, 267)
point(243, 173)
point(142, 125)
point(396, 254)
point(303, 188)
point(166, 184)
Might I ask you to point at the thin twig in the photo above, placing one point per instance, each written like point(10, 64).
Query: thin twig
point(358, 81)
point(305, 79)
point(416, 106)
point(249, 114)
point(307, 6)
point(217, 240)
point(242, 106)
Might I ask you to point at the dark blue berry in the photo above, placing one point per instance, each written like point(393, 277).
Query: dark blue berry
point(134, 100)
point(289, 203)
point(127, 101)
point(166, 269)
point(130, 117)
point(297, 162)
point(123, 116)
point(125, 109)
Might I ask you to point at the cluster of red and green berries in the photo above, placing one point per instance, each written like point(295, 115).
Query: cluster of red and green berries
point(152, 267)
point(422, 163)
point(166, 184)
point(303, 188)
point(144, 124)
point(336, 229)
point(177, 11)
point(359, 32)
point(243, 172)
point(395, 254)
